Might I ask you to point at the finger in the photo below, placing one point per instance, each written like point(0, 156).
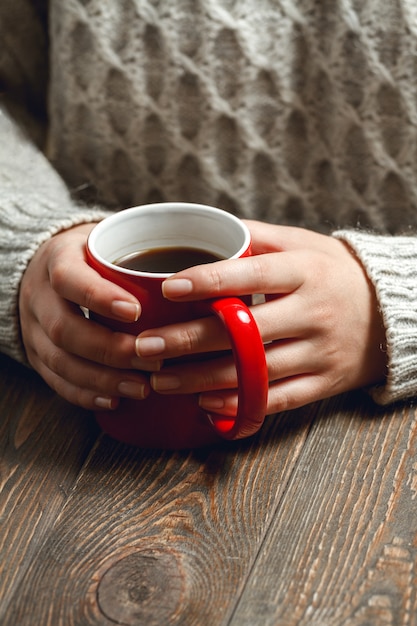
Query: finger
point(284, 359)
point(273, 238)
point(87, 384)
point(87, 288)
point(201, 335)
point(267, 273)
point(68, 329)
point(85, 398)
point(295, 392)
point(284, 395)
point(70, 375)
point(220, 373)
point(276, 320)
point(267, 238)
point(73, 279)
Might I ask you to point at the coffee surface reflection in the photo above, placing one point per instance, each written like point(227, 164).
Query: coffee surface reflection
point(166, 260)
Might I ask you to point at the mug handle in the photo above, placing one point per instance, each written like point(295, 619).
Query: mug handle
point(249, 354)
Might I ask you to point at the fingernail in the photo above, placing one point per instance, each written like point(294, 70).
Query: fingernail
point(149, 346)
point(131, 389)
point(128, 311)
point(176, 287)
point(107, 404)
point(165, 382)
point(211, 403)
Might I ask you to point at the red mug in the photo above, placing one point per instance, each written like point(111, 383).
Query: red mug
point(176, 421)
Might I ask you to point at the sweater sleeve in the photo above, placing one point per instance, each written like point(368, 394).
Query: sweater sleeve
point(391, 265)
point(34, 205)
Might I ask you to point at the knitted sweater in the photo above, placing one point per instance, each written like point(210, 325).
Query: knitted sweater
point(289, 111)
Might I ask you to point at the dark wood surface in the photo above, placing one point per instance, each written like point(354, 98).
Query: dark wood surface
point(312, 522)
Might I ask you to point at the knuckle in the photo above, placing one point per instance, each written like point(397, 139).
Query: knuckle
point(207, 380)
point(216, 279)
point(55, 362)
point(221, 374)
point(115, 350)
point(104, 353)
point(89, 296)
point(322, 318)
point(278, 399)
point(282, 403)
point(259, 269)
point(188, 340)
point(325, 314)
point(56, 331)
point(58, 274)
point(74, 394)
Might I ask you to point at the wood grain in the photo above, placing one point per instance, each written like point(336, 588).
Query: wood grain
point(313, 522)
point(160, 538)
point(43, 445)
point(342, 548)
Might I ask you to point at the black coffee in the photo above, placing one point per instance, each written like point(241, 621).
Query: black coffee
point(166, 260)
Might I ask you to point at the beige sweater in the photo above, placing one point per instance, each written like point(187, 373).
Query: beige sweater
point(291, 112)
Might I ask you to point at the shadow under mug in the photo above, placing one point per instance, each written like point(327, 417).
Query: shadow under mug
point(176, 421)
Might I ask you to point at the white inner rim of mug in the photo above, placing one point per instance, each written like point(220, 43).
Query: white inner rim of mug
point(167, 225)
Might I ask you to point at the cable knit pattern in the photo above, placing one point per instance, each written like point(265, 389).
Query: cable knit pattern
point(301, 112)
point(291, 111)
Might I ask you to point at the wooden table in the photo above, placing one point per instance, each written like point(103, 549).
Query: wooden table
point(312, 522)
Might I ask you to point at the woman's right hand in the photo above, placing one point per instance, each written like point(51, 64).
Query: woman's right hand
point(321, 324)
point(84, 362)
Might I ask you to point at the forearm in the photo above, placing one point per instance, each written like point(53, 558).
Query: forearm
point(391, 265)
point(34, 205)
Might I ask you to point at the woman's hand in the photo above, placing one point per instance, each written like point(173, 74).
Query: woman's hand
point(322, 329)
point(84, 362)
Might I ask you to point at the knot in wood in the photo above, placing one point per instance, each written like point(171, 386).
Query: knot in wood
point(142, 588)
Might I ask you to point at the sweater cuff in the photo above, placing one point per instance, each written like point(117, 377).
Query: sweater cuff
point(391, 265)
point(19, 258)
